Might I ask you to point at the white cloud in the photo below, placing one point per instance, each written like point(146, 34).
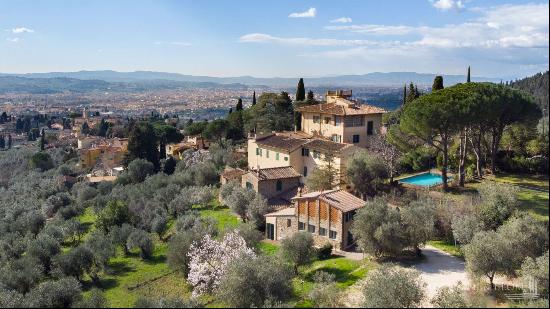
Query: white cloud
point(266, 38)
point(342, 20)
point(504, 39)
point(176, 43)
point(13, 40)
point(22, 30)
point(374, 29)
point(307, 14)
point(445, 5)
point(506, 26)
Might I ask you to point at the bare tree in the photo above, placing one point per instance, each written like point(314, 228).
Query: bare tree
point(389, 154)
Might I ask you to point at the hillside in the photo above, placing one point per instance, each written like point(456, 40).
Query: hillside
point(537, 86)
point(57, 84)
point(375, 78)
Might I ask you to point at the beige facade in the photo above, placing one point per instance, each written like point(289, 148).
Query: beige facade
point(303, 154)
point(342, 120)
point(269, 188)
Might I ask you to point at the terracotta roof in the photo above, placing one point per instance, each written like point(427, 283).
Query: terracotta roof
point(233, 173)
point(276, 173)
point(285, 212)
point(280, 142)
point(340, 199)
point(326, 145)
point(340, 109)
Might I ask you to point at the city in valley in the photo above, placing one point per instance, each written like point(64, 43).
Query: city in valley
point(161, 154)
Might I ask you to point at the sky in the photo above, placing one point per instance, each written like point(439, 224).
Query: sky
point(268, 38)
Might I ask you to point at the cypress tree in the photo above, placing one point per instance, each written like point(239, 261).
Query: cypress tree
point(468, 76)
point(416, 92)
point(42, 140)
point(239, 106)
point(254, 98)
point(230, 110)
point(2, 142)
point(404, 94)
point(438, 83)
point(300, 91)
point(9, 141)
point(412, 93)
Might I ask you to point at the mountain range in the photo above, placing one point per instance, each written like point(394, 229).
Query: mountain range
point(370, 79)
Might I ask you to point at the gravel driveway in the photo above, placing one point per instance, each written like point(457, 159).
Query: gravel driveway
point(440, 269)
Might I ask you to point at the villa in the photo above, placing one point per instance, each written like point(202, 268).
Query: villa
point(342, 119)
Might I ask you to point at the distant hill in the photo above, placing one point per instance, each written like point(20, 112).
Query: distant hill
point(375, 79)
point(537, 86)
point(55, 84)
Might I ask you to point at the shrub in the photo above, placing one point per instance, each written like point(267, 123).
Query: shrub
point(325, 251)
point(141, 240)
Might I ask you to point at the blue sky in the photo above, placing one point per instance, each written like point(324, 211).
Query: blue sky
point(275, 38)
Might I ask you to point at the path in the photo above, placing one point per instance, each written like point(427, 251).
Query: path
point(440, 269)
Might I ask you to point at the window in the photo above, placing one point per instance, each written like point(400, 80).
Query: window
point(370, 128)
point(288, 222)
point(322, 231)
point(356, 138)
point(327, 120)
point(286, 158)
point(337, 138)
point(348, 216)
point(316, 119)
point(305, 171)
point(332, 234)
point(301, 226)
point(337, 120)
point(311, 228)
point(279, 185)
point(354, 121)
point(267, 153)
point(249, 186)
point(305, 152)
point(259, 152)
point(277, 156)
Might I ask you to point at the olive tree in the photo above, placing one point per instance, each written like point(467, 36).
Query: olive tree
point(366, 172)
point(298, 249)
point(252, 281)
point(141, 240)
point(393, 287)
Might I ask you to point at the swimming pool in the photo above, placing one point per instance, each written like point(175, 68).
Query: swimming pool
point(423, 180)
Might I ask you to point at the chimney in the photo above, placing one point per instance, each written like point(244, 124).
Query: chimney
point(299, 191)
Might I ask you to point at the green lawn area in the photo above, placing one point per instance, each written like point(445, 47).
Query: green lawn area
point(225, 218)
point(346, 271)
point(131, 277)
point(268, 248)
point(533, 192)
point(446, 247)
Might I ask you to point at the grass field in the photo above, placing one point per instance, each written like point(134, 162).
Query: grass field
point(446, 247)
point(347, 272)
point(130, 276)
point(533, 192)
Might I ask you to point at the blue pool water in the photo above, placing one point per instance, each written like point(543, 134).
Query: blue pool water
point(424, 180)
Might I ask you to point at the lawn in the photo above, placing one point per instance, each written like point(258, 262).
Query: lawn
point(268, 248)
point(346, 271)
point(225, 218)
point(446, 247)
point(131, 277)
point(533, 192)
